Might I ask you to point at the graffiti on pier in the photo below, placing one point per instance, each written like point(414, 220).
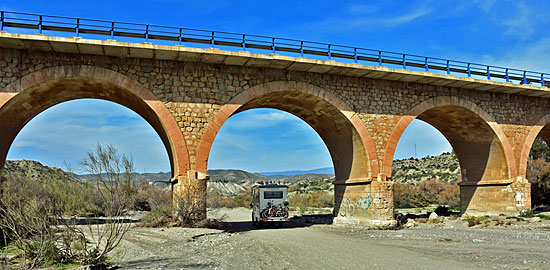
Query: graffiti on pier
point(349, 205)
point(346, 208)
point(365, 202)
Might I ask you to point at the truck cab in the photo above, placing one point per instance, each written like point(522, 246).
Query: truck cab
point(269, 204)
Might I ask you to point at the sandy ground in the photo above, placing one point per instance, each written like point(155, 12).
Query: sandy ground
point(452, 245)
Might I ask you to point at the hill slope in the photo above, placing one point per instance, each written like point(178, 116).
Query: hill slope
point(444, 167)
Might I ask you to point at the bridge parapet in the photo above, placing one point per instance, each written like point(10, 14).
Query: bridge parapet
point(114, 48)
point(179, 35)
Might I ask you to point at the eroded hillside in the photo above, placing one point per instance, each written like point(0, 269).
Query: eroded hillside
point(444, 168)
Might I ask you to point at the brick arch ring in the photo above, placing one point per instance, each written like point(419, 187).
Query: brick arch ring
point(179, 155)
point(257, 91)
point(529, 140)
point(446, 101)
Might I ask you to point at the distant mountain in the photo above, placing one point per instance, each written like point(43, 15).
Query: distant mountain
point(232, 175)
point(327, 170)
point(232, 182)
point(149, 177)
point(302, 177)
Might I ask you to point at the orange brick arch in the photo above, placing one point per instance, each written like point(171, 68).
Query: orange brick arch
point(529, 140)
point(247, 100)
point(23, 99)
point(442, 102)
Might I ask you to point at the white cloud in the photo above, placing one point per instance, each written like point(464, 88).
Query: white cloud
point(67, 131)
point(409, 17)
point(24, 143)
point(485, 5)
point(259, 118)
point(522, 23)
point(532, 56)
point(357, 9)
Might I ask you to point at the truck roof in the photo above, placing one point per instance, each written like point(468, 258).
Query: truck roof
point(269, 186)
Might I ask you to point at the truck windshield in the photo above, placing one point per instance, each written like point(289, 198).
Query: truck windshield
point(273, 194)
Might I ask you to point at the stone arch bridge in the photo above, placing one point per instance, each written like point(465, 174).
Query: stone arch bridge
point(359, 111)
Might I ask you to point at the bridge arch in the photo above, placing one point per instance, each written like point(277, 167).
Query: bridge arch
point(481, 146)
point(25, 98)
point(347, 139)
point(541, 128)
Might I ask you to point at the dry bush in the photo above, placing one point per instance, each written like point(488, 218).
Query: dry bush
point(320, 199)
point(243, 199)
point(189, 204)
point(34, 221)
point(114, 177)
point(538, 173)
point(159, 204)
point(26, 215)
point(186, 209)
point(426, 193)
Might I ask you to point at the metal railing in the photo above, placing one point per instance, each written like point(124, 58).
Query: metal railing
point(179, 35)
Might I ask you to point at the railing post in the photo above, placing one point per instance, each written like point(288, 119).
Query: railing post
point(40, 24)
point(273, 45)
point(469, 71)
point(448, 67)
point(427, 66)
point(507, 76)
point(329, 52)
point(244, 42)
point(1, 20)
point(112, 30)
point(488, 74)
point(302, 49)
point(380, 58)
point(355, 55)
point(179, 37)
point(77, 29)
point(212, 40)
point(404, 61)
point(147, 33)
point(524, 77)
point(542, 79)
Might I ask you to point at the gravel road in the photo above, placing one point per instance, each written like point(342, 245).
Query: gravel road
point(296, 246)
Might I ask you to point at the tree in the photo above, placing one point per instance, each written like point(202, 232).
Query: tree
point(538, 172)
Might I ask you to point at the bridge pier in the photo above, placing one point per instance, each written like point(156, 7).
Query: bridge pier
point(367, 202)
point(496, 197)
point(189, 196)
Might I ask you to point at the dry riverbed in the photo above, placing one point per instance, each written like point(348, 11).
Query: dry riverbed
point(450, 244)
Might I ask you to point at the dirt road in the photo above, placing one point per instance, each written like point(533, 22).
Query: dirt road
point(334, 247)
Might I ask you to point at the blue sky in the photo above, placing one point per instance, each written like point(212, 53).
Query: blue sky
point(507, 33)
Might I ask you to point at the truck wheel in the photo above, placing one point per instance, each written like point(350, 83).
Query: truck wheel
point(260, 224)
point(280, 224)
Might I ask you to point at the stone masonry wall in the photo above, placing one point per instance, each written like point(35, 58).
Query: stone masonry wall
point(194, 92)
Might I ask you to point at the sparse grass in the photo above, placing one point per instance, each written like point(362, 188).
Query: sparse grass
point(527, 213)
point(547, 217)
point(472, 220)
point(516, 218)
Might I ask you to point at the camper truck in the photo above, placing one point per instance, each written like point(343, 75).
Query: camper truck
point(269, 204)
